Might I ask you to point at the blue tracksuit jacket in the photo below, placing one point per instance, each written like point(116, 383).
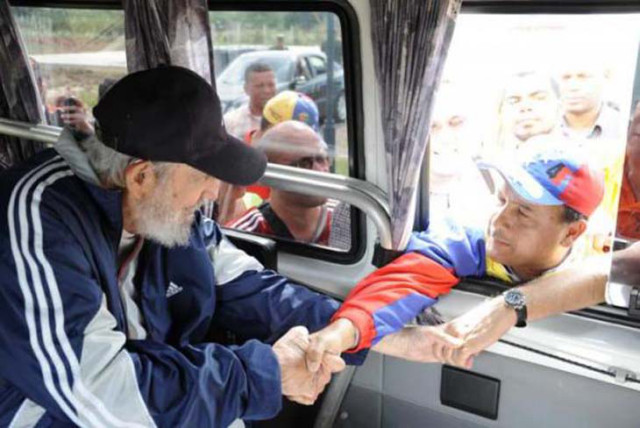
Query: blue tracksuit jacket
point(65, 358)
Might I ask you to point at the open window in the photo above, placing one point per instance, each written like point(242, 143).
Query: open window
point(77, 51)
point(519, 84)
point(307, 50)
point(75, 54)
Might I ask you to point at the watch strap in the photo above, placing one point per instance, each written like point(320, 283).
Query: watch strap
point(521, 313)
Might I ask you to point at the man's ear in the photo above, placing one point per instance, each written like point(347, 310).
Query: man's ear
point(140, 178)
point(574, 231)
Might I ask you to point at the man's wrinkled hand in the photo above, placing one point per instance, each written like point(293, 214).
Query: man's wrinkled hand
point(424, 344)
point(298, 382)
point(478, 329)
point(332, 340)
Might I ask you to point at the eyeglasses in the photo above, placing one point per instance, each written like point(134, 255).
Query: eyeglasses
point(308, 162)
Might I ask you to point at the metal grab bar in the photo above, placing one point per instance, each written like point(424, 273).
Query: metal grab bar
point(42, 133)
point(350, 190)
point(361, 194)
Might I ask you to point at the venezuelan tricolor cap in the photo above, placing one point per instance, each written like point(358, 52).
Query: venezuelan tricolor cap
point(291, 105)
point(553, 178)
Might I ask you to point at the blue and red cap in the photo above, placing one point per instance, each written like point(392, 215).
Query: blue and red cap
point(291, 105)
point(553, 178)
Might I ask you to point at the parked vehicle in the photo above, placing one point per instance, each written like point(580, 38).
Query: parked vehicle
point(303, 70)
point(224, 55)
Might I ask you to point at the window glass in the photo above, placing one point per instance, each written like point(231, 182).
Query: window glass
point(75, 53)
point(540, 100)
point(275, 70)
point(234, 74)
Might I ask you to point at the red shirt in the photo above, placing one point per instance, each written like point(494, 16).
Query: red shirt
point(263, 220)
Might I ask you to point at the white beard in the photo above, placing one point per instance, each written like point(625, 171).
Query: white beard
point(162, 223)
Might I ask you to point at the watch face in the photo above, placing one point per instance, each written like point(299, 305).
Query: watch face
point(514, 298)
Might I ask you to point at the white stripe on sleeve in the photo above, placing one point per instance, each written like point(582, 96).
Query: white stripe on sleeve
point(229, 262)
point(91, 411)
point(27, 415)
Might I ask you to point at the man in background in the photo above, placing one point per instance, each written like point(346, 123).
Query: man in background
point(291, 215)
point(260, 86)
point(529, 106)
point(279, 46)
point(585, 114)
point(234, 201)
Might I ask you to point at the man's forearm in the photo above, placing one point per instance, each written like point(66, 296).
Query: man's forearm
point(567, 290)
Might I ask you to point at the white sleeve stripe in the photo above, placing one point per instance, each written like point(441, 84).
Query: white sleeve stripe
point(28, 298)
point(28, 415)
point(85, 400)
point(61, 335)
point(229, 262)
point(103, 360)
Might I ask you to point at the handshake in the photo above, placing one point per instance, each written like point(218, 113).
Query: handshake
point(303, 375)
point(307, 361)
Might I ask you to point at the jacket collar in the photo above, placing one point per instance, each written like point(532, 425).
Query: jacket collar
point(109, 200)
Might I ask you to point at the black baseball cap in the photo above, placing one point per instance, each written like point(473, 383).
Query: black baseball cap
point(171, 114)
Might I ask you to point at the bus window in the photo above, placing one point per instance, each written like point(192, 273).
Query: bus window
point(285, 66)
point(293, 59)
point(75, 53)
point(516, 88)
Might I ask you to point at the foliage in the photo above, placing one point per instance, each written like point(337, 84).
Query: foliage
point(50, 30)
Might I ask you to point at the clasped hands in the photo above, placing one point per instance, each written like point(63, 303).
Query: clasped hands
point(302, 382)
point(456, 342)
point(308, 361)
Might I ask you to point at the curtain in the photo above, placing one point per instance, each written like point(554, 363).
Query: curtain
point(410, 43)
point(169, 32)
point(19, 97)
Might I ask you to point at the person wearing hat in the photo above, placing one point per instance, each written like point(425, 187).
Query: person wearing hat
point(543, 207)
point(111, 277)
point(291, 215)
point(235, 201)
point(287, 105)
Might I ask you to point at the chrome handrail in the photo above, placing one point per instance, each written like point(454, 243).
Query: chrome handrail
point(369, 198)
point(350, 190)
point(42, 133)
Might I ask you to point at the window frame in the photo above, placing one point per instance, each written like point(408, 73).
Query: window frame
point(351, 62)
point(487, 286)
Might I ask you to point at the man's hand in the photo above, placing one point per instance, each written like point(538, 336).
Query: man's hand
point(75, 117)
point(424, 344)
point(479, 328)
point(334, 339)
point(421, 343)
point(298, 382)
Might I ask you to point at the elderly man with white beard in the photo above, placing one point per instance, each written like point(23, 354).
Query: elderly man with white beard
point(111, 278)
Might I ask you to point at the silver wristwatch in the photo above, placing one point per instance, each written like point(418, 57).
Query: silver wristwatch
point(515, 299)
